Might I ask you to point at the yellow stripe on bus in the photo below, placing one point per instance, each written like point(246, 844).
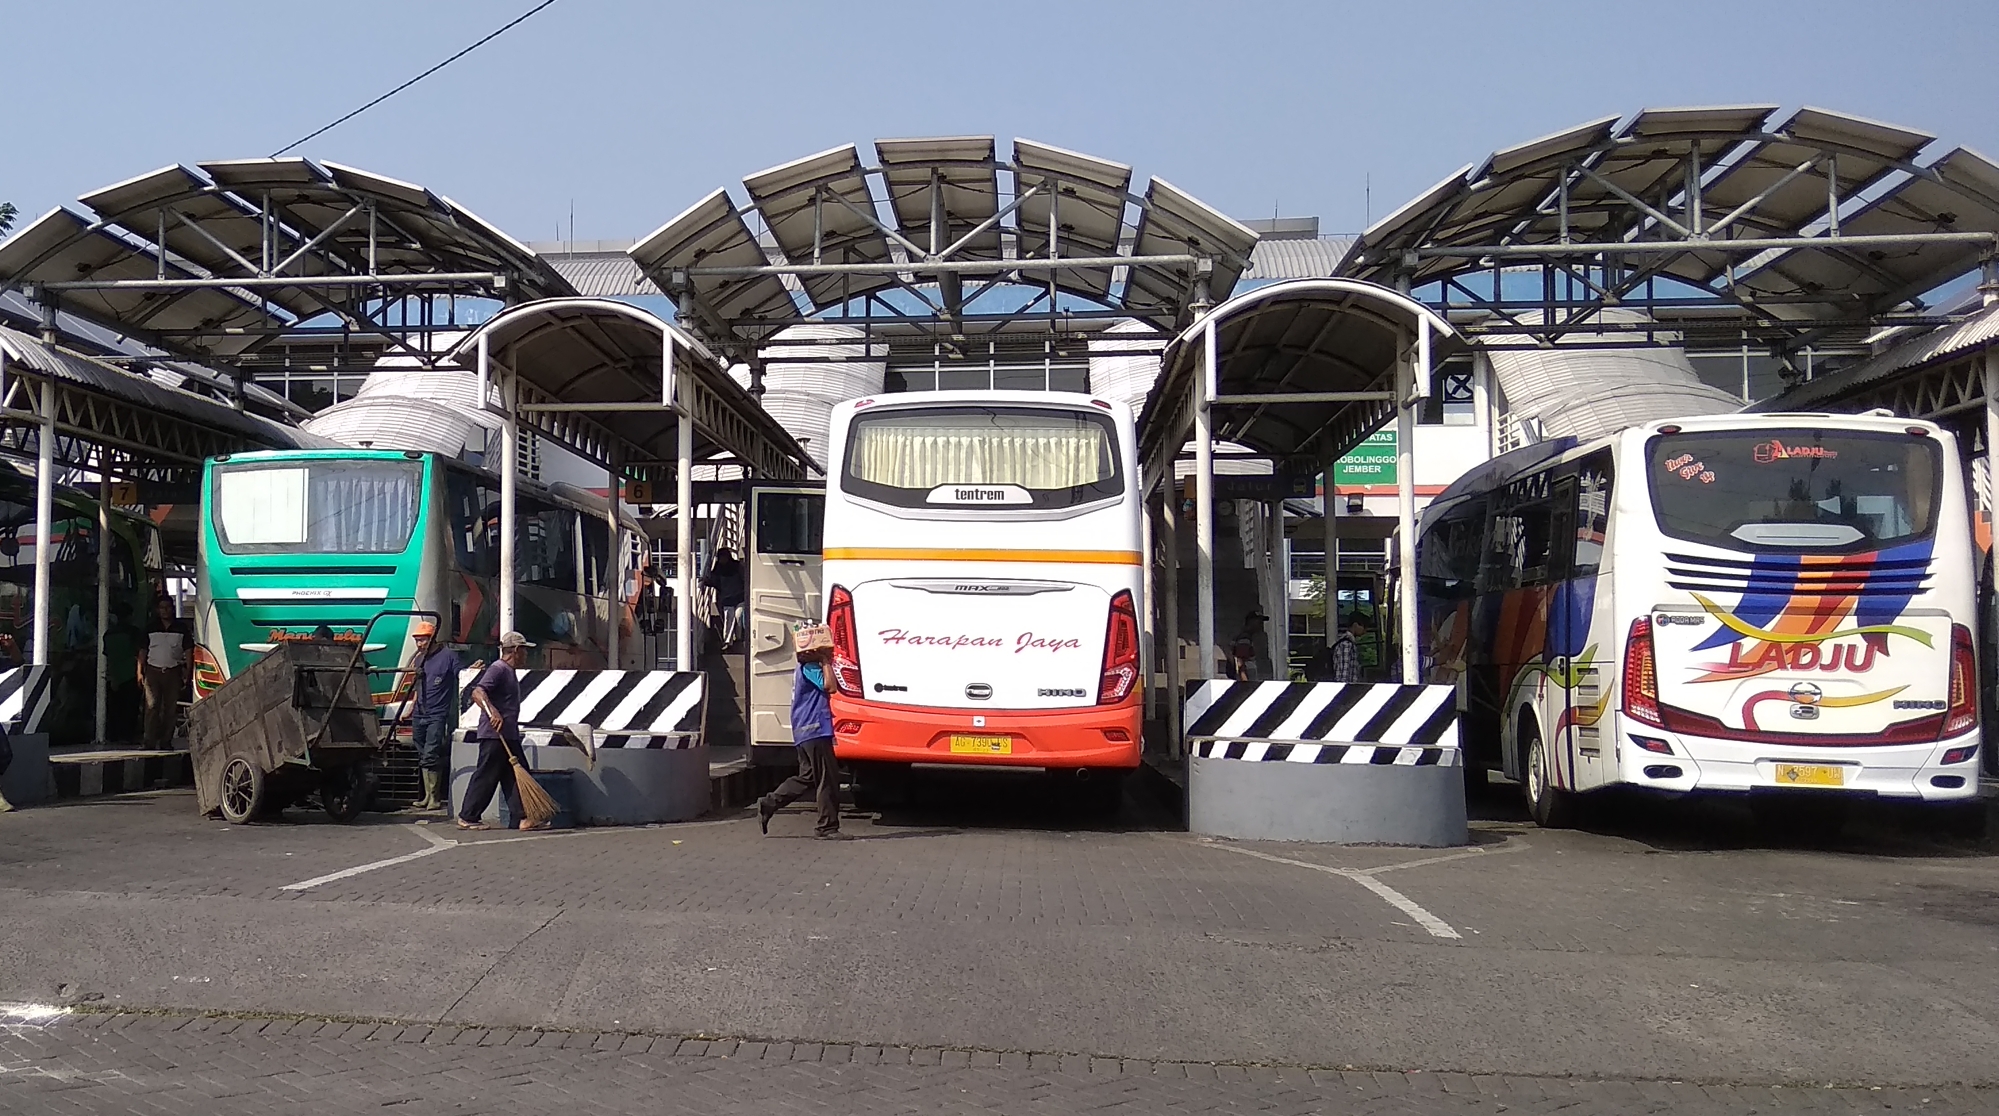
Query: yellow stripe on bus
point(914, 554)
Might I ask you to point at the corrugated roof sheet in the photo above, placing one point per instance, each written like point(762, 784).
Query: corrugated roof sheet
point(603, 276)
point(1312, 258)
point(142, 391)
point(1974, 332)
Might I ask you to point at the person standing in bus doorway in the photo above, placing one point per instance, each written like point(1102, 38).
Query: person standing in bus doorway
point(725, 577)
point(163, 674)
point(1242, 649)
point(812, 731)
point(498, 694)
point(434, 671)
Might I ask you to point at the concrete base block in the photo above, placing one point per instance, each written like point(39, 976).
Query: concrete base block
point(626, 786)
point(28, 780)
point(1332, 803)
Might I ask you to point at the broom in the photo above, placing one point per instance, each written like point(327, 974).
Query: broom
point(537, 806)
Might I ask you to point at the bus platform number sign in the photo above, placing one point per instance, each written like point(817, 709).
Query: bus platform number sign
point(1371, 462)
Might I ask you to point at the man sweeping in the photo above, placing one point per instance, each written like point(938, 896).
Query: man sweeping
point(812, 730)
point(498, 695)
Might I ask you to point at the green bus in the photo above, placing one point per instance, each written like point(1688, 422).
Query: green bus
point(292, 540)
point(72, 659)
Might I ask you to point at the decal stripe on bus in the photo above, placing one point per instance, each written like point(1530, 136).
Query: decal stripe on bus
point(916, 554)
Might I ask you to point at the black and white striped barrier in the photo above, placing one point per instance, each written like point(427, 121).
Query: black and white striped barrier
point(633, 737)
point(1343, 762)
point(24, 699)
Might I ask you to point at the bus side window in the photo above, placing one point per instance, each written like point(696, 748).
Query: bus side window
point(1593, 480)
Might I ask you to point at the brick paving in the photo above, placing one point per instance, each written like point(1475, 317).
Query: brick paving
point(142, 1063)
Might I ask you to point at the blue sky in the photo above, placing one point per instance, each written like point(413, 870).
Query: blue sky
point(633, 110)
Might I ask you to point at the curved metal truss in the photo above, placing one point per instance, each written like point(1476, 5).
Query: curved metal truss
point(1721, 225)
point(214, 262)
point(942, 236)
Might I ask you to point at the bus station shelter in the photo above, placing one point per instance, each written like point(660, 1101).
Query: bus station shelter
point(603, 378)
point(1301, 371)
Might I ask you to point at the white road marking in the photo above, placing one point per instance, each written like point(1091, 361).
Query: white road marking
point(358, 869)
point(1512, 844)
point(1437, 927)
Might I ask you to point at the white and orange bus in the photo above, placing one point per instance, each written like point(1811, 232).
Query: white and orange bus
point(983, 584)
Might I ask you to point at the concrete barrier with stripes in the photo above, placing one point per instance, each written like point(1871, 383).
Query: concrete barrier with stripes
point(633, 737)
point(1342, 762)
point(24, 699)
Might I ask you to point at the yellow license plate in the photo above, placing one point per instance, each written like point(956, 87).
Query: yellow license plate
point(1810, 775)
point(982, 745)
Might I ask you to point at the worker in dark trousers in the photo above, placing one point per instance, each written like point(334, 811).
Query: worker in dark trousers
point(498, 694)
point(812, 731)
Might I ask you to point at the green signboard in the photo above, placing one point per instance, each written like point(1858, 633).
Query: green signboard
point(1371, 462)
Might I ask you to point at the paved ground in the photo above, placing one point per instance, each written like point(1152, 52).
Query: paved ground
point(989, 955)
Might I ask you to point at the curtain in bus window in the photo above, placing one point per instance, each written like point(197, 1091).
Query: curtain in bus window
point(1592, 513)
point(1031, 451)
point(362, 511)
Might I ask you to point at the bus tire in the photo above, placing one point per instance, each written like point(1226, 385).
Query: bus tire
point(242, 791)
point(1551, 806)
point(879, 786)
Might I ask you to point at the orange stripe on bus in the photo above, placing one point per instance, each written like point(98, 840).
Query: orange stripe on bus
point(912, 554)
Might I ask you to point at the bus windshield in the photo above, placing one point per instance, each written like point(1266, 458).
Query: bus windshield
point(1832, 489)
point(969, 455)
point(317, 507)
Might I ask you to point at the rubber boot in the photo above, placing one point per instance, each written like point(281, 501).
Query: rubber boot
point(433, 788)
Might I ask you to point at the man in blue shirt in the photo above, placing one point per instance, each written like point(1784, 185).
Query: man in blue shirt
point(498, 695)
point(436, 670)
point(812, 731)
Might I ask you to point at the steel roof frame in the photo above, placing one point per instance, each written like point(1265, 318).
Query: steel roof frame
point(937, 254)
point(1636, 244)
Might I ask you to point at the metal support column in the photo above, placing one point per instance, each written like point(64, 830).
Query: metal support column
point(1991, 371)
point(1276, 591)
point(510, 471)
point(1410, 382)
point(1331, 524)
point(1145, 625)
point(614, 561)
point(45, 508)
point(1175, 692)
point(1204, 503)
point(100, 709)
point(683, 552)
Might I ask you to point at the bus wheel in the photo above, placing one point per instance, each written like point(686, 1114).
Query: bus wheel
point(242, 791)
point(1552, 807)
point(1098, 794)
point(879, 786)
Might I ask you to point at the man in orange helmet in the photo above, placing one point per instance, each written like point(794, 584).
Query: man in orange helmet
point(436, 670)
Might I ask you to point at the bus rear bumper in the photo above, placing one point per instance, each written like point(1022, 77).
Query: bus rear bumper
point(1915, 771)
point(1096, 736)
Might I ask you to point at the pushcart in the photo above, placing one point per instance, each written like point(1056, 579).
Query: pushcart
point(298, 722)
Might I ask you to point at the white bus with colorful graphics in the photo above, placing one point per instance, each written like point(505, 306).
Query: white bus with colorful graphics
point(1776, 604)
point(983, 583)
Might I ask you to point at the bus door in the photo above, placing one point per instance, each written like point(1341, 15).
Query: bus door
point(1577, 677)
point(783, 585)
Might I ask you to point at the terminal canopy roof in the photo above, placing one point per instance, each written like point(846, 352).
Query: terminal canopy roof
point(212, 262)
point(941, 231)
point(593, 376)
point(1734, 214)
point(1302, 336)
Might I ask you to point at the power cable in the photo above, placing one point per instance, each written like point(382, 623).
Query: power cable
point(503, 29)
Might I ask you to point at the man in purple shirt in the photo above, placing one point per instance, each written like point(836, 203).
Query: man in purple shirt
point(812, 731)
point(498, 695)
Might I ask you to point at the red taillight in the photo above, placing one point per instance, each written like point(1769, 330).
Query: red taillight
point(1641, 675)
point(1962, 715)
point(846, 646)
point(1120, 651)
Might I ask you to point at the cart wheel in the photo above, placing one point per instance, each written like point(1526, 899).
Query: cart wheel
point(242, 791)
point(344, 793)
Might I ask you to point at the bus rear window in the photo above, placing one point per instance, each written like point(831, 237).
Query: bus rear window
point(971, 456)
point(316, 507)
point(1839, 490)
